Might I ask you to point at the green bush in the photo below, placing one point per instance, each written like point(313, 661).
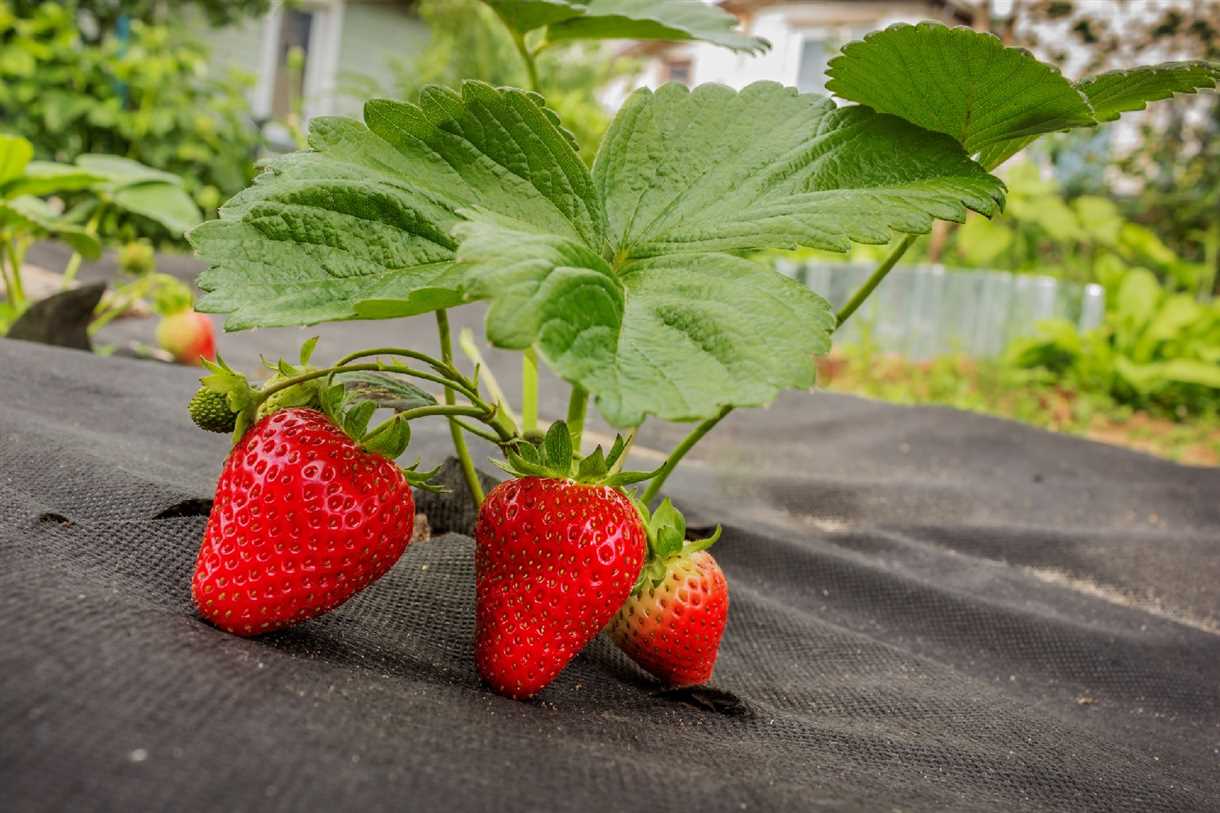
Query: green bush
point(148, 97)
point(1156, 350)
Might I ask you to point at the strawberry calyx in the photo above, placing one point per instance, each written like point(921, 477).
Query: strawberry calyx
point(666, 531)
point(555, 457)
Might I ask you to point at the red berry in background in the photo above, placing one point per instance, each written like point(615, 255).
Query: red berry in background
point(672, 628)
point(303, 519)
point(555, 560)
point(188, 336)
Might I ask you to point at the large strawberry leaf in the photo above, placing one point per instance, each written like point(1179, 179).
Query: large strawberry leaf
point(358, 226)
point(716, 169)
point(15, 154)
point(1116, 92)
point(34, 216)
point(676, 336)
point(995, 100)
point(674, 20)
point(957, 81)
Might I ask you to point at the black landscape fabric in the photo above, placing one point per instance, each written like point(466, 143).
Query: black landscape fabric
point(930, 610)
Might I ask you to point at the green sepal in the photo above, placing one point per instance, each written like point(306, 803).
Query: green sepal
point(331, 401)
point(242, 398)
point(307, 349)
point(616, 451)
point(666, 531)
point(229, 383)
point(422, 479)
point(593, 467)
point(558, 448)
point(626, 478)
point(390, 442)
point(356, 420)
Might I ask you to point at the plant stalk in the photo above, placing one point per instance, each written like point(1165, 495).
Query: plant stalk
point(15, 260)
point(531, 67)
point(74, 261)
point(577, 405)
point(529, 391)
point(455, 429)
point(873, 281)
point(679, 452)
point(654, 486)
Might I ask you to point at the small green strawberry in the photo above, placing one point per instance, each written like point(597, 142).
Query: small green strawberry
point(210, 411)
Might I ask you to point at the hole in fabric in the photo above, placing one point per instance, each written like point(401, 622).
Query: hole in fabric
point(58, 519)
point(194, 507)
point(705, 698)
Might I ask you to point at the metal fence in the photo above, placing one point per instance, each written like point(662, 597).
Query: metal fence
point(923, 311)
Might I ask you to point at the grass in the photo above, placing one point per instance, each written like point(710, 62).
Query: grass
point(996, 389)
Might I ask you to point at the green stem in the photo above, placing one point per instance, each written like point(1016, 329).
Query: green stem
point(873, 281)
point(679, 452)
point(455, 428)
point(439, 366)
point(4, 273)
point(422, 412)
point(16, 258)
point(490, 437)
point(577, 405)
point(529, 391)
point(74, 261)
point(531, 67)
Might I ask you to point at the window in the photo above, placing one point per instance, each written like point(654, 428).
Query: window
point(678, 70)
point(811, 75)
point(289, 82)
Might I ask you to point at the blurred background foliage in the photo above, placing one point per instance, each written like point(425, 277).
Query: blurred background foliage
point(132, 79)
point(74, 84)
point(468, 41)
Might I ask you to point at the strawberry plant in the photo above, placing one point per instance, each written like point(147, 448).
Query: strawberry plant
point(632, 281)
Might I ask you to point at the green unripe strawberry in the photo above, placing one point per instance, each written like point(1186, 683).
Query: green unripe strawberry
point(137, 258)
point(210, 411)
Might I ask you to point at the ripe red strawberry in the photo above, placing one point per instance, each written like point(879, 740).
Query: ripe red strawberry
point(555, 559)
point(188, 336)
point(303, 519)
point(673, 622)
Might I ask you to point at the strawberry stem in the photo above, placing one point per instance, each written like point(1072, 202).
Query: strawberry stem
point(577, 405)
point(529, 391)
point(887, 265)
point(455, 429)
point(654, 487)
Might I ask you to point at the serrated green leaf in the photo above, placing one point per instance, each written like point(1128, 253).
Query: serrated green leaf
point(388, 391)
point(677, 336)
point(558, 447)
point(964, 83)
point(674, 20)
point(167, 204)
point(526, 15)
point(48, 178)
point(35, 215)
point(1116, 92)
point(15, 154)
point(358, 227)
point(122, 171)
point(766, 167)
